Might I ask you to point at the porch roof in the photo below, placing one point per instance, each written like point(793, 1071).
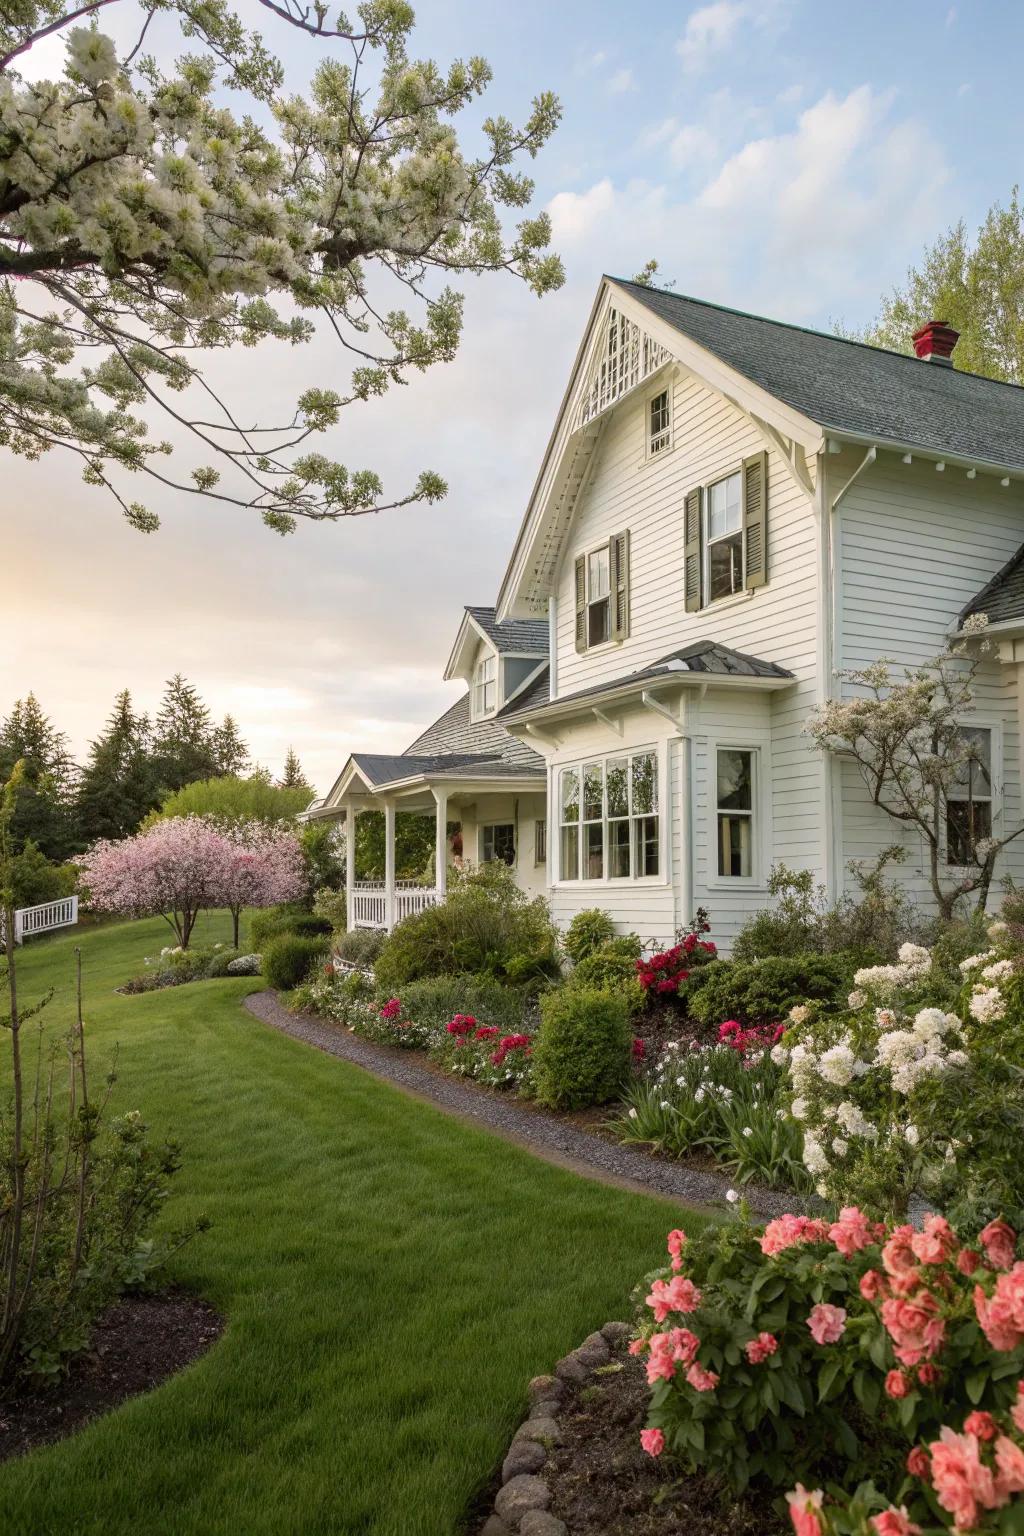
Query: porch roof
point(700, 662)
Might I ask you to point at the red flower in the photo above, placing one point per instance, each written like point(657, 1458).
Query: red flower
point(462, 1024)
point(638, 1049)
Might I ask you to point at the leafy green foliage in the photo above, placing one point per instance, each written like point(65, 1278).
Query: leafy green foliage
point(587, 932)
point(612, 968)
point(230, 800)
point(289, 958)
point(289, 917)
point(486, 926)
point(582, 1050)
point(803, 921)
point(360, 947)
point(176, 967)
point(764, 991)
point(36, 879)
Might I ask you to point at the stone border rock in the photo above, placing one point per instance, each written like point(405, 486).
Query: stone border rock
point(546, 1134)
point(523, 1499)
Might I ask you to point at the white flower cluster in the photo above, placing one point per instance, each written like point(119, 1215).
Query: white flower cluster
point(987, 1004)
point(913, 964)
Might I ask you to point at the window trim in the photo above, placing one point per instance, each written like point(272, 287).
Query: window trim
point(652, 456)
point(480, 686)
point(491, 826)
point(705, 554)
point(617, 882)
point(603, 547)
point(994, 726)
point(759, 747)
point(540, 842)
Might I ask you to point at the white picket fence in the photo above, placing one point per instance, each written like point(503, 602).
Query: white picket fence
point(49, 914)
point(369, 901)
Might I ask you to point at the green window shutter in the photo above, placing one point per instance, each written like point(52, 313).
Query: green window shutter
point(755, 519)
point(693, 579)
point(581, 603)
point(618, 560)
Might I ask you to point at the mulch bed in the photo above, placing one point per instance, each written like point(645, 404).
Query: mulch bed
point(603, 1484)
point(137, 1344)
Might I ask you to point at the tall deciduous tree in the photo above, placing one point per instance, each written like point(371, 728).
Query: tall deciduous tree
point(260, 866)
point(230, 801)
point(977, 287)
point(156, 226)
point(118, 786)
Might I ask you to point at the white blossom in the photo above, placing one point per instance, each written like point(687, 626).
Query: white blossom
point(800, 1013)
point(999, 970)
point(857, 999)
point(987, 1004)
point(836, 1064)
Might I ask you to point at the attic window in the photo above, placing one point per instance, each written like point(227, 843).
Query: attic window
point(659, 424)
point(485, 687)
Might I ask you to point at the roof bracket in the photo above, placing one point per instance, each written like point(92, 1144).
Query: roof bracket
point(869, 458)
point(540, 734)
point(789, 449)
point(650, 702)
point(608, 720)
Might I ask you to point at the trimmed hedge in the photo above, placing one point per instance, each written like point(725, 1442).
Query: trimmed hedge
point(582, 1051)
point(288, 959)
point(763, 991)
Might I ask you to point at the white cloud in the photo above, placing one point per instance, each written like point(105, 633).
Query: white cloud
point(621, 82)
point(792, 95)
point(691, 147)
point(708, 31)
point(575, 215)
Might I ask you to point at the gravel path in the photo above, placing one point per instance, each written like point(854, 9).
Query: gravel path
point(548, 1135)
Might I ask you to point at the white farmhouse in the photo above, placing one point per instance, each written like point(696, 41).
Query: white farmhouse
point(730, 511)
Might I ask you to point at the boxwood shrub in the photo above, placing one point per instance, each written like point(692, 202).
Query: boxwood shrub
point(288, 959)
point(582, 1051)
point(763, 991)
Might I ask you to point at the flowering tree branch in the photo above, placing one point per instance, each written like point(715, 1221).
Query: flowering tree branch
point(912, 744)
point(144, 228)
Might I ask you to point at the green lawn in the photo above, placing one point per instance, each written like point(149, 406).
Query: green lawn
point(390, 1276)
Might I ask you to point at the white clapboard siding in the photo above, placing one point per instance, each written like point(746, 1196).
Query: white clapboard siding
point(912, 547)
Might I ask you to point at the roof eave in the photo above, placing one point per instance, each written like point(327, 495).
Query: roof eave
point(585, 704)
point(933, 455)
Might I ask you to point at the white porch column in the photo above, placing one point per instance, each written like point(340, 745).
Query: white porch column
point(350, 866)
point(389, 864)
point(441, 842)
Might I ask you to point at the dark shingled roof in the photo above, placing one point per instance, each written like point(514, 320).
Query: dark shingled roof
point(529, 636)
point(847, 386)
point(380, 768)
point(456, 732)
point(1002, 598)
point(706, 657)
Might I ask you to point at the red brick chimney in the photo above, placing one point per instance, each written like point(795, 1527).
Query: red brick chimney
point(934, 342)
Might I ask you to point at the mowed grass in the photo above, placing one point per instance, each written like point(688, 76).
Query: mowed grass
point(391, 1279)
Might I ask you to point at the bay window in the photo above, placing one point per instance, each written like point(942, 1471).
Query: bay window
point(609, 820)
point(735, 812)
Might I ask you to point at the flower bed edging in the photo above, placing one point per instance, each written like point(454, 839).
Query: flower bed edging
point(523, 1499)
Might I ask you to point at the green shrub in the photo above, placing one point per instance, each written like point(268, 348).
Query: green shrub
point(763, 991)
point(586, 934)
point(435, 1000)
point(331, 904)
point(360, 947)
point(803, 920)
point(582, 1051)
point(613, 969)
point(309, 926)
point(269, 922)
point(487, 927)
point(36, 879)
point(288, 959)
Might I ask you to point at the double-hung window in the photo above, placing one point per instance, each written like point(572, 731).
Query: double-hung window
point(609, 824)
point(485, 687)
point(723, 538)
point(969, 802)
point(599, 596)
point(659, 423)
point(734, 814)
point(498, 843)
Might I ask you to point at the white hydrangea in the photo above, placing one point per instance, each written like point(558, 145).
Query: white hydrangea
point(998, 970)
point(815, 1160)
point(836, 1064)
point(998, 930)
point(911, 1135)
point(802, 1067)
point(987, 1004)
point(973, 961)
point(854, 1121)
point(839, 1146)
point(885, 1018)
point(800, 1013)
point(856, 999)
point(914, 954)
point(780, 1054)
point(798, 1109)
point(932, 1022)
point(957, 1058)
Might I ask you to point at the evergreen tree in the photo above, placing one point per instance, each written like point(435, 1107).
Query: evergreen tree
point(118, 785)
point(293, 776)
point(230, 751)
point(44, 812)
point(184, 746)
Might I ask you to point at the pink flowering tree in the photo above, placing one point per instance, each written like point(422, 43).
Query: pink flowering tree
point(259, 866)
point(178, 867)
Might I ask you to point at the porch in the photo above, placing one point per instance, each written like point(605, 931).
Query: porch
point(368, 902)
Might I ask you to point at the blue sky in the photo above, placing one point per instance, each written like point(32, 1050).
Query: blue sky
point(783, 156)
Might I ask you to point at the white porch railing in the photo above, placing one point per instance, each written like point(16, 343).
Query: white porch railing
point(369, 902)
point(49, 914)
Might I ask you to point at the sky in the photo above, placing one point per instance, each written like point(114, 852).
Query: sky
point(789, 157)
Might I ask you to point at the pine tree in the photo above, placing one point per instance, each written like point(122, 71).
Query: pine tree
point(230, 751)
point(44, 811)
point(293, 776)
point(118, 785)
point(184, 747)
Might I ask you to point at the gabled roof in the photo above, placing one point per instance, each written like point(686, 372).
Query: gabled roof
point(848, 387)
point(456, 732)
point(524, 637)
point(1002, 598)
point(704, 658)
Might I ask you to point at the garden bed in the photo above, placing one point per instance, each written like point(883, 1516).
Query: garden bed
point(139, 1342)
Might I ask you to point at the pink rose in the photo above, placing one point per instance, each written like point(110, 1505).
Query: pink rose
point(1002, 1315)
point(967, 1260)
point(928, 1375)
point(637, 1347)
point(683, 1345)
point(897, 1384)
point(676, 1244)
point(873, 1285)
point(980, 1424)
point(677, 1295)
point(700, 1379)
point(759, 1349)
point(935, 1243)
point(827, 1323)
point(898, 1256)
point(786, 1231)
point(894, 1522)
point(1000, 1244)
point(852, 1232)
point(963, 1484)
point(915, 1327)
point(803, 1510)
point(1009, 1468)
point(1017, 1411)
point(919, 1463)
point(653, 1441)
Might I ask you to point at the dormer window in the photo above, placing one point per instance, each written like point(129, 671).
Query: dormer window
point(485, 687)
point(659, 423)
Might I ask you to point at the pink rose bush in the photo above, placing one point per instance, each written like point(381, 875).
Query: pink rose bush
point(772, 1352)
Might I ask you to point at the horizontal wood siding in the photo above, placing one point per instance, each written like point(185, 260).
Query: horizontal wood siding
point(912, 547)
